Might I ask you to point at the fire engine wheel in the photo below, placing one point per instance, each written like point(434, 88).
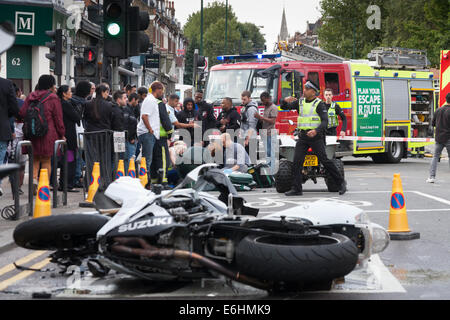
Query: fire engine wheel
point(58, 232)
point(302, 260)
point(283, 178)
point(394, 150)
point(329, 181)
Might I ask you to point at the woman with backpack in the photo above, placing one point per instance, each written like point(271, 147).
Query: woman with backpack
point(48, 128)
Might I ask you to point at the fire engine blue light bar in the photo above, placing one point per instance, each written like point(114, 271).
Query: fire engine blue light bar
point(258, 56)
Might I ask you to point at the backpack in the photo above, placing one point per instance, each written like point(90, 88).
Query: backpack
point(35, 124)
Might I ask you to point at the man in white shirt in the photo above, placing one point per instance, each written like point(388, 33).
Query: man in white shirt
point(148, 129)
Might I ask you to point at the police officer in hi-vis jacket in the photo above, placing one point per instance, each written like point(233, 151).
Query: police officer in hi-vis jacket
point(312, 123)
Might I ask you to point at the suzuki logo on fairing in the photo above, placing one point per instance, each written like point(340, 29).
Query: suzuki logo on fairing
point(145, 224)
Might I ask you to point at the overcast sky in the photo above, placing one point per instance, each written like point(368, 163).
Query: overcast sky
point(265, 13)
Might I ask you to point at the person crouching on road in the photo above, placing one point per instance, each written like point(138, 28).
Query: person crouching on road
point(235, 158)
point(312, 122)
point(441, 121)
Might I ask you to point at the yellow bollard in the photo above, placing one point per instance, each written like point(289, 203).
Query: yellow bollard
point(398, 219)
point(143, 172)
point(42, 207)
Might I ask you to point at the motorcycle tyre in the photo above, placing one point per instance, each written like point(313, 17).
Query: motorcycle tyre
point(58, 232)
point(297, 264)
point(284, 178)
point(329, 181)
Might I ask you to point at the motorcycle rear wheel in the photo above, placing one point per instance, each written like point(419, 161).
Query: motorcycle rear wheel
point(299, 261)
point(58, 232)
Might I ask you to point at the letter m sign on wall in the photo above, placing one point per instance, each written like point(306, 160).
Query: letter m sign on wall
point(25, 23)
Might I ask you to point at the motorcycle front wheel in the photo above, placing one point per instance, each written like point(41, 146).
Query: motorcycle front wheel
point(66, 231)
point(301, 260)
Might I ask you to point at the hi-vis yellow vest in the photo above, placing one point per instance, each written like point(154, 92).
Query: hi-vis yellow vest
point(333, 120)
point(162, 132)
point(308, 118)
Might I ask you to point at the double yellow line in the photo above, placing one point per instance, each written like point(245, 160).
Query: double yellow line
point(22, 275)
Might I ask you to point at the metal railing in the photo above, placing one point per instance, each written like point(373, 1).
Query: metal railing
point(63, 145)
point(13, 212)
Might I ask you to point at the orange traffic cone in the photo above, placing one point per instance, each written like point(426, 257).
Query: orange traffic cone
point(120, 170)
point(143, 172)
point(132, 168)
point(398, 219)
point(42, 207)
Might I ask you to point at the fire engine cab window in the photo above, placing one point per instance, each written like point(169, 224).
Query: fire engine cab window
point(291, 86)
point(227, 83)
point(258, 86)
point(314, 78)
point(332, 82)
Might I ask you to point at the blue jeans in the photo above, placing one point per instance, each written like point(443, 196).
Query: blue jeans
point(79, 164)
point(270, 146)
point(3, 149)
point(438, 148)
point(130, 151)
point(147, 142)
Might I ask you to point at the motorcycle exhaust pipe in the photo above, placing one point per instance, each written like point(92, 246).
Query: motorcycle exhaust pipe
point(153, 252)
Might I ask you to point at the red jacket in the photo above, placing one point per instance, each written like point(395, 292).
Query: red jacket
point(44, 146)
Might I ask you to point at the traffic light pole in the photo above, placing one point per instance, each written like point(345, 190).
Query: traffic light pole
point(194, 78)
point(68, 56)
point(115, 74)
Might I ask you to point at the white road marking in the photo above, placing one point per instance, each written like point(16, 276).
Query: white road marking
point(447, 202)
point(375, 278)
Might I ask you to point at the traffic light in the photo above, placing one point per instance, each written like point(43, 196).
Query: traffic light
point(137, 40)
point(114, 28)
point(201, 62)
point(90, 62)
point(55, 46)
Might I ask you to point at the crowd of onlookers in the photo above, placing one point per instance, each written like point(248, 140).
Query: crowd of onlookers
point(149, 116)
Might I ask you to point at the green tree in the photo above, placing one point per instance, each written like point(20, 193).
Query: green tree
point(245, 36)
point(418, 24)
point(188, 72)
point(345, 28)
point(251, 38)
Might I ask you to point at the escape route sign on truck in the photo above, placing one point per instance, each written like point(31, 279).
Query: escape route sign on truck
point(369, 110)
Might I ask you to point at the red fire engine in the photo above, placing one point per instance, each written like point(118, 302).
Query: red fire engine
point(378, 101)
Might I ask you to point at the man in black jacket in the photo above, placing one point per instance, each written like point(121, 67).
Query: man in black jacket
point(206, 113)
point(229, 118)
point(188, 116)
point(441, 121)
point(8, 109)
point(78, 100)
point(129, 124)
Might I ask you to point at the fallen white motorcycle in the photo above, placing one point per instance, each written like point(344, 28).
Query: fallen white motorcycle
point(187, 234)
